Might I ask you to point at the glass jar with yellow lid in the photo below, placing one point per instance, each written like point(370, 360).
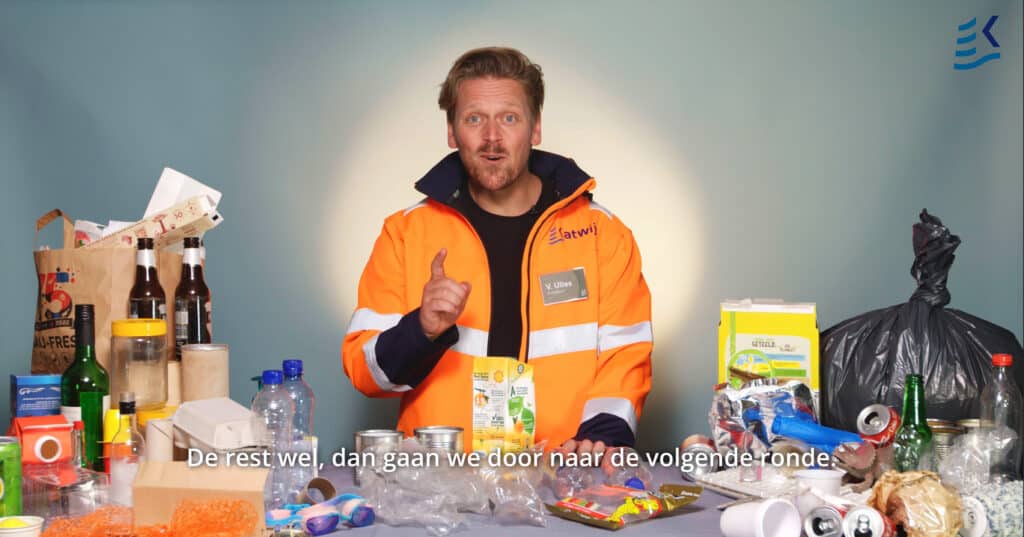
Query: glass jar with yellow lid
point(138, 361)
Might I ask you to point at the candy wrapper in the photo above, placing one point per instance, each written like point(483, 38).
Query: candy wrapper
point(753, 408)
point(613, 507)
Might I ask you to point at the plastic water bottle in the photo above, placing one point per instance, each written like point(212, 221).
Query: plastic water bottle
point(277, 410)
point(1001, 417)
point(301, 394)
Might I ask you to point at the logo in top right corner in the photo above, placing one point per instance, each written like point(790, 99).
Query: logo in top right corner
point(967, 44)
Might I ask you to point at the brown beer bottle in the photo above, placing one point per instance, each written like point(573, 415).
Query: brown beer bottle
point(192, 307)
point(146, 299)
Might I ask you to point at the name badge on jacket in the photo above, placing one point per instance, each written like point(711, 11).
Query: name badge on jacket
point(566, 286)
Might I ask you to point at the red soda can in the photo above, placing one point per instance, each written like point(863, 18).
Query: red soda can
point(877, 424)
point(866, 521)
point(824, 521)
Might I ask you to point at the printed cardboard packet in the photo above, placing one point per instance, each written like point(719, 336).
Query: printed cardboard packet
point(768, 338)
point(504, 409)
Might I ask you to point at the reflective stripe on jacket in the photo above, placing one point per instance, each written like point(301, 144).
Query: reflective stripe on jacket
point(590, 356)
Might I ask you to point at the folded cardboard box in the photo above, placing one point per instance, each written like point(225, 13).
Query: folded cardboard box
point(160, 486)
point(186, 219)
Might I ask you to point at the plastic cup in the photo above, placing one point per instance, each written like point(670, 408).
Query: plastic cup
point(769, 518)
point(23, 526)
point(825, 481)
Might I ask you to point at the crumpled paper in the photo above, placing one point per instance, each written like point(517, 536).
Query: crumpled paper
point(919, 502)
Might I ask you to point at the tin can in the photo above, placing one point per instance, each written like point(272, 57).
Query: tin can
point(698, 459)
point(944, 432)
point(878, 424)
point(374, 443)
point(10, 476)
point(824, 521)
point(440, 437)
point(865, 521)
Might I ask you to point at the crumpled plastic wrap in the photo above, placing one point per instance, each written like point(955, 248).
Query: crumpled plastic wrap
point(753, 408)
point(919, 502)
point(966, 465)
point(436, 497)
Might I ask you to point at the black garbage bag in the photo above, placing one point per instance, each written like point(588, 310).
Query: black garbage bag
point(866, 359)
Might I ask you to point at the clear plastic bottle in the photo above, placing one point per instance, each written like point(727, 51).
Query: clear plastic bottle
point(277, 410)
point(631, 471)
point(302, 394)
point(1001, 418)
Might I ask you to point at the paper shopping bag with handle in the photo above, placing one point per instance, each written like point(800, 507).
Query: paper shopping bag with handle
point(99, 276)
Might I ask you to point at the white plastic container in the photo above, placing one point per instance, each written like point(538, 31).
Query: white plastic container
point(33, 526)
point(218, 425)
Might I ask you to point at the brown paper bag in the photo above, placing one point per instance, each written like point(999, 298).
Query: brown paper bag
point(103, 277)
point(160, 486)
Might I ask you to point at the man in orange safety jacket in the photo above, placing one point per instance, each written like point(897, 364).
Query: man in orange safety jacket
point(508, 255)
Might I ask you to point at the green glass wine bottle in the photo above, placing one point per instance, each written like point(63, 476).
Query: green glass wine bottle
point(85, 386)
point(912, 447)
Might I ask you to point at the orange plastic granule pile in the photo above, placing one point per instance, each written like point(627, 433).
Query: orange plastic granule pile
point(212, 518)
point(103, 522)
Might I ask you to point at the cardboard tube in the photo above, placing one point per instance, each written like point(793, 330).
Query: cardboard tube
point(160, 440)
point(320, 484)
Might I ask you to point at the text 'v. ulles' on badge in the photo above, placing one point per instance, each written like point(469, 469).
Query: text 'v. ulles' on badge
point(565, 286)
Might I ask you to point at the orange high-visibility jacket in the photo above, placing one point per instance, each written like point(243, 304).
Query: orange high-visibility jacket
point(591, 357)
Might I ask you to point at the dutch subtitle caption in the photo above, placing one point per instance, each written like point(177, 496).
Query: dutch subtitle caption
point(391, 461)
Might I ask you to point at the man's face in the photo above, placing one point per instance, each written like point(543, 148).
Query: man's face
point(493, 131)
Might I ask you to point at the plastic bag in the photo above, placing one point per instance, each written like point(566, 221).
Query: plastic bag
point(613, 507)
point(866, 359)
point(753, 409)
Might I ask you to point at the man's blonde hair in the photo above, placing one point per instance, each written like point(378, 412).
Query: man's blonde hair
point(493, 62)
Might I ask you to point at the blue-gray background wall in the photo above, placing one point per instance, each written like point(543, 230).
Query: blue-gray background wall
point(757, 149)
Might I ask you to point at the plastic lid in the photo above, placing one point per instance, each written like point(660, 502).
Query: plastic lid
point(79, 425)
point(1002, 360)
point(362, 516)
point(139, 328)
point(292, 368)
point(272, 376)
point(635, 483)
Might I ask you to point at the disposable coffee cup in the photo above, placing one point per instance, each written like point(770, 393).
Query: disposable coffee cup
point(769, 518)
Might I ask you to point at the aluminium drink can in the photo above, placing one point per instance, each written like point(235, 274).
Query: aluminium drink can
point(10, 476)
point(824, 521)
point(878, 424)
point(865, 521)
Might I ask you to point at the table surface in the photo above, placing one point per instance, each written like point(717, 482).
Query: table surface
point(697, 519)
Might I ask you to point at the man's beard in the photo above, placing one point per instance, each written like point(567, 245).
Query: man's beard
point(493, 176)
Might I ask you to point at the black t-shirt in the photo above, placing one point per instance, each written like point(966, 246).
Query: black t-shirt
point(504, 239)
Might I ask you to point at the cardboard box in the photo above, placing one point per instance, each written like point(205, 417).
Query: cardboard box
point(172, 225)
point(160, 486)
point(35, 395)
point(44, 439)
point(769, 338)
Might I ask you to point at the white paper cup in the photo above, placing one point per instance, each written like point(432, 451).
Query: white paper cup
point(769, 518)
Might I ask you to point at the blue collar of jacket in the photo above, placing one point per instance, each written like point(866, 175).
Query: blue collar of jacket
point(443, 181)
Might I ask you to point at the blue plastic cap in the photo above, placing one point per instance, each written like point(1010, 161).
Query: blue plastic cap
point(272, 376)
point(362, 516)
point(292, 368)
point(635, 483)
